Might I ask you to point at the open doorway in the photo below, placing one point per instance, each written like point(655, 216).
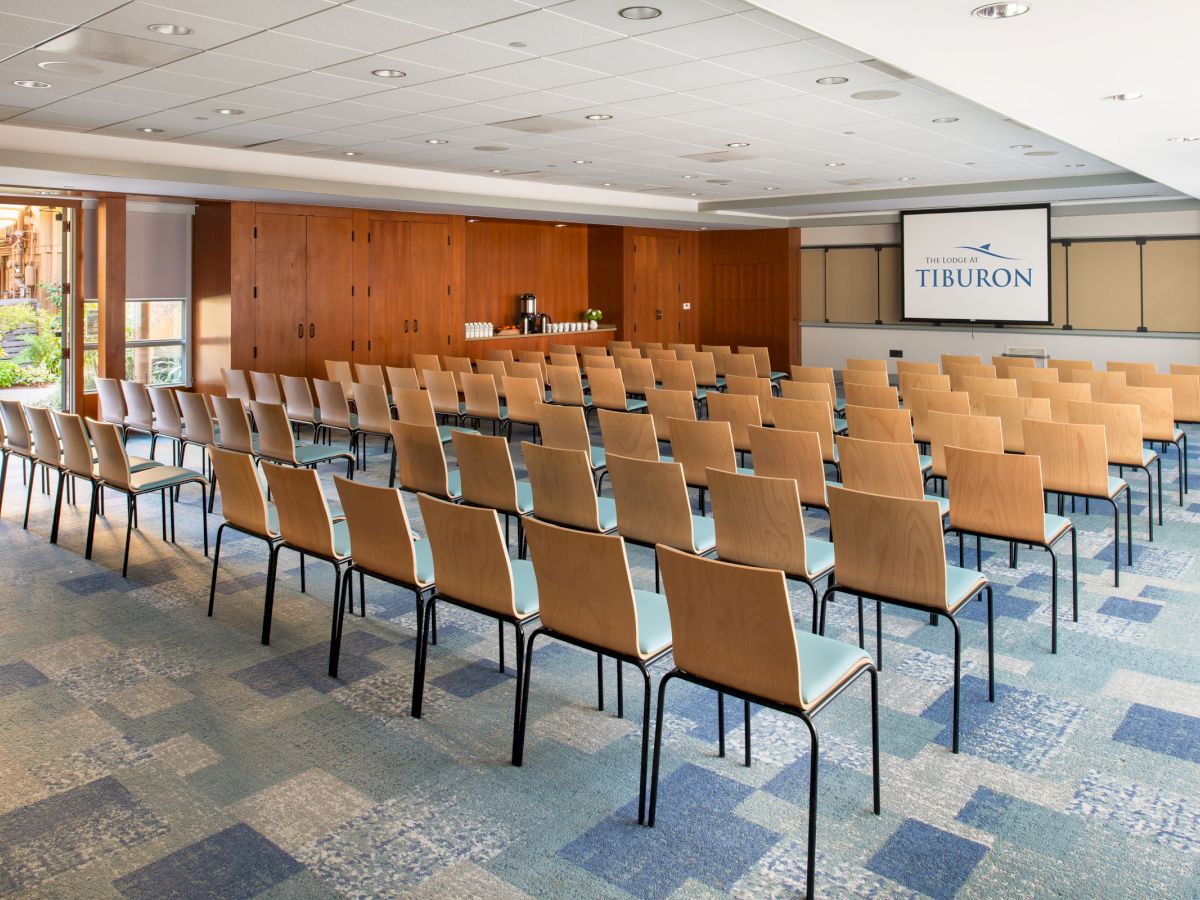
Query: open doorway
point(36, 258)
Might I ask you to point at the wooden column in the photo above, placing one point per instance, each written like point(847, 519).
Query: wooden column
point(110, 283)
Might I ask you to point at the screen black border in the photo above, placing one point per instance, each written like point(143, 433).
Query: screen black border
point(1049, 320)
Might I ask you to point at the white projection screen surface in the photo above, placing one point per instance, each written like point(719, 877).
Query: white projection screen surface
point(977, 265)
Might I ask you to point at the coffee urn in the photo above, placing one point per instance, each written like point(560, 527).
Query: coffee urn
point(527, 313)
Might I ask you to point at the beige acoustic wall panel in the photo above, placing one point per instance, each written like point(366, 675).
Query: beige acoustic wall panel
point(1058, 284)
point(851, 284)
point(1104, 285)
point(890, 273)
point(1172, 272)
point(812, 285)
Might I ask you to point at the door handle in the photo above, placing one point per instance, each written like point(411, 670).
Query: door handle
point(406, 326)
point(300, 331)
point(312, 330)
point(416, 325)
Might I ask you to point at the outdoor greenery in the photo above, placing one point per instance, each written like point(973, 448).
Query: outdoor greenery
point(41, 360)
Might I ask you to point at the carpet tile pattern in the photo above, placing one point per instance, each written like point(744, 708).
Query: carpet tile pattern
point(147, 750)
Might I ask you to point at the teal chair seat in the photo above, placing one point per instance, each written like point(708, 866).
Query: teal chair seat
point(720, 382)
point(961, 585)
point(942, 502)
point(598, 457)
point(839, 427)
point(634, 405)
point(701, 393)
point(926, 462)
point(446, 432)
point(653, 623)
point(307, 454)
point(665, 457)
point(704, 534)
point(341, 538)
point(743, 470)
point(818, 556)
point(1148, 456)
point(1055, 526)
point(823, 663)
point(606, 508)
point(776, 376)
point(155, 478)
point(424, 555)
point(525, 595)
point(1116, 485)
point(524, 497)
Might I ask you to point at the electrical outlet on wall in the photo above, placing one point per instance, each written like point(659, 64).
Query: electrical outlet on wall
point(686, 307)
point(896, 354)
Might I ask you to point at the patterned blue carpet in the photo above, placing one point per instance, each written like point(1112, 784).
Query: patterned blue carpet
point(149, 751)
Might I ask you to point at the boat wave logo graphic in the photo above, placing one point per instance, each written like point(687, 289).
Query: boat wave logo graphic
point(987, 250)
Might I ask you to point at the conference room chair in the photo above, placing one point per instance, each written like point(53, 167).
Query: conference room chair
point(335, 411)
point(593, 352)
point(882, 397)
point(922, 402)
point(720, 357)
point(533, 358)
point(569, 349)
point(496, 369)
point(716, 348)
point(385, 547)
point(504, 356)
point(619, 345)
point(811, 390)
point(46, 451)
point(653, 507)
point(1100, 381)
point(781, 453)
point(139, 413)
point(566, 387)
point(886, 468)
point(760, 522)
point(872, 377)
point(421, 463)
point(733, 633)
point(1012, 411)
point(339, 371)
point(414, 407)
point(682, 348)
point(565, 427)
point(524, 399)
point(908, 367)
point(628, 434)
point(680, 375)
point(971, 370)
point(587, 599)
point(443, 392)
point(401, 379)
point(237, 385)
point(744, 364)
point(922, 381)
point(762, 359)
point(486, 473)
point(866, 365)
point(646, 346)
point(457, 366)
point(750, 386)
point(266, 387)
point(168, 420)
point(1184, 369)
point(277, 444)
point(874, 424)
point(78, 459)
point(565, 358)
point(810, 415)
point(703, 447)
point(620, 353)
point(307, 527)
point(1124, 441)
point(665, 406)
point(233, 426)
point(741, 411)
point(817, 375)
point(977, 388)
point(1026, 378)
point(1065, 365)
point(374, 418)
point(426, 362)
point(532, 370)
point(1060, 393)
point(481, 402)
point(1131, 368)
point(659, 355)
point(1185, 400)
point(1157, 406)
point(638, 374)
point(953, 359)
point(301, 408)
point(563, 489)
point(891, 550)
point(493, 585)
point(1008, 366)
point(598, 361)
point(114, 473)
point(111, 402)
point(1075, 464)
point(370, 374)
point(975, 432)
point(609, 391)
point(999, 496)
point(704, 369)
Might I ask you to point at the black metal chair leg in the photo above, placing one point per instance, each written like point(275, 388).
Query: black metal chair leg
point(91, 532)
point(991, 654)
point(746, 713)
point(523, 703)
point(1053, 601)
point(500, 623)
point(810, 876)
point(131, 511)
point(58, 500)
point(212, 588)
point(343, 586)
point(875, 739)
point(269, 600)
point(957, 678)
point(1074, 576)
point(520, 688)
point(720, 724)
point(646, 697)
point(658, 734)
point(599, 681)
point(29, 493)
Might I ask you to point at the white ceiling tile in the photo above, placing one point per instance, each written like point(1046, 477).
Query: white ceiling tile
point(478, 113)
point(458, 53)
point(743, 92)
point(69, 12)
point(9, 111)
point(445, 15)
point(134, 19)
point(124, 94)
point(604, 13)
point(257, 13)
point(97, 112)
point(360, 70)
point(25, 32)
point(268, 98)
point(611, 90)
point(192, 86)
point(59, 121)
point(404, 100)
point(686, 76)
point(331, 87)
point(236, 69)
point(542, 74)
point(789, 29)
point(173, 123)
point(307, 120)
point(543, 32)
point(93, 71)
point(848, 53)
point(622, 57)
point(357, 29)
point(208, 109)
point(538, 103)
point(472, 88)
point(782, 59)
point(668, 104)
point(354, 111)
point(286, 50)
point(732, 34)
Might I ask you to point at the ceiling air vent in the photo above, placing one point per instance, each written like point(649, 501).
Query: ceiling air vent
point(887, 69)
point(539, 124)
point(855, 182)
point(718, 156)
point(87, 43)
point(260, 144)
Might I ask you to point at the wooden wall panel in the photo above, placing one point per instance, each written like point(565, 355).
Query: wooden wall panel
point(1104, 285)
point(110, 286)
point(745, 290)
point(330, 277)
point(891, 271)
point(1172, 272)
point(430, 290)
point(280, 290)
point(241, 286)
point(606, 290)
point(388, 325)
point(666, 290)
point(211, 284)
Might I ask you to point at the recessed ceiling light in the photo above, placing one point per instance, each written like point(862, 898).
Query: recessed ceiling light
point(693, 195)
point(350, 153)
point(582, 162)
point(228, 112)
point(944, 120)
point(1020, 146)
point(490, 148)
point(1183, 140)
point(32, 84)
point(598, 117)
point(150, 130)
point(640, 12)
point(906, 178)
point(436, 141)
point(496, 171)
point(175, 30)
point(1000, 10)
point(847, 132)
point(1042, 153)
point(1074, 165)
point(832, 79)
point(472, 221)
point(770, 189)
point(833, 165)
point(874, 95)
point(519, 45)
point(609, 184)
point(560, 225)
point(388, 73)
point(971, 163)
point(66, 67)
point(738, 144)
point(689, 176)
point(704, 228)
point(1130, 96)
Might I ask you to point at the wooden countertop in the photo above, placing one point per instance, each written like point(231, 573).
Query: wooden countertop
point(564, 336)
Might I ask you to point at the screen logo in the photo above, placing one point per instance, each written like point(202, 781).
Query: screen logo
point(973, 271)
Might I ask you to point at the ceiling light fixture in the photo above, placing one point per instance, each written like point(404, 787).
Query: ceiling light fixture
point(150, 130)
point(1182, 140)
point(350, 153)
point(436, 141)
point(228, 112)
point(560, 225)
point(834, 165)
point(1074, 165)
point(770, 189)
point(737, 145)
point(1041, 153)
point(174, 30)
point(496, 171)
point(388, 73)
point(944, 120)
point(832, 79)
point(689, 176)
point(1000, 10)
point(598, 117)
point(906, 178)
point(639, 12)
point(693, 195)
point(582, 162)
point(39, 85)
point(874, 95)
point(609, 184)
point(519, 45)
point(1020, 146)
point(1128, 96)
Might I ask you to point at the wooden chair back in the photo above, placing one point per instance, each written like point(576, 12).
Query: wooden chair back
point(530, 370)
point(704, 366)
point(743, 364)
point(1122, 428)
point(138, 410)
point(112, 400)
point(921, 403)
point(922, 381)
point(565, 360)
point(1025, 378)
point(298, 398)
point(619, 353)
point(274, 432)
point(524, 398)
point(747, 386)
point(720, 357)
point(677, 375)
point(533, 358)
point(762, 359)
point(597, 361)
point(593, 353)
point(369, 373)
point(1157, 406)
point(806, 415)
point(1060, 394)
point(1130, 368)
point(242, 502)
point(1007, 366)
point(874, 424)
point(628, 434)
point(457, 366)
point(953, 359)
point(1100, 381)
point(666, 405)
point(486, 471)
point(1185, 392)
point(46, 445)
point(585, 590)
point(679, 348)
point(426, 362)
point(494, 368)
point(237, 385)
point(814, 375)
point(660, 356)
point(456, 532)
point(566, 387)
point(563, 489)
point(413, 407)
point(1012, 411)
point(197, 422)
point(569, 349)
point(504, 356)
point(233, 427)
point(564, 427)
point(380, 532)
point(622, 345)
point(76, 450)
point(645, 346)
point(866, 365)
point(1074, 457)
point(374, 411)
point(781, 453)
point(881, 467)
point(702, 445)
point(652, 502)
point(331, 398)
point(871, 395)
point(443, 392)
point(339, 371)
point(972, 370)
point(167, 418)
point(758, 521)
point(638, 374)
point(1184, 369)
point(889, 546)
point(716, 348)
point(608, 389)
point(974, 432)
point(1064, 365)
point(905, 367)
point(112, 462)
point(996, 493)
point(869, 377)
point(480, 397)
point(808, 390)
point(420, 459)
point(266, 387)
point(978, 388)
point(741, 411)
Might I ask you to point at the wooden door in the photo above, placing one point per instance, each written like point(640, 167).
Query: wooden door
point(429, 286)
point(280, 294)
point(330, 325)
point(388, 324)
point(655, 290)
